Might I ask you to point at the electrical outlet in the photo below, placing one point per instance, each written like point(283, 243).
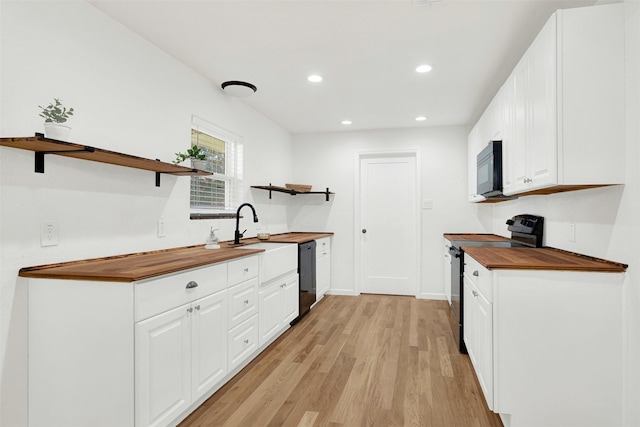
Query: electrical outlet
point(572, 232)
point(162, 228)
point(49, 234)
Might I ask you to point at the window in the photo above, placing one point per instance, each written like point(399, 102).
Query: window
point(221, 191)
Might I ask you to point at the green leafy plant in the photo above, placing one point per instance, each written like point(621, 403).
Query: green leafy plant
point(194, 152)
point(55, 112)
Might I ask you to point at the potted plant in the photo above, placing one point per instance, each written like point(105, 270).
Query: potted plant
point(55, 114)
point(197, 155)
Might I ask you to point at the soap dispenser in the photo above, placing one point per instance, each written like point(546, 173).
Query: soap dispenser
point(212, 241)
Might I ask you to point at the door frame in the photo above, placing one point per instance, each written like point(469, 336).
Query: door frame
point(357, 265)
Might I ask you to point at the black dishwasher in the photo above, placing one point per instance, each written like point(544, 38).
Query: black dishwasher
point(306, 277)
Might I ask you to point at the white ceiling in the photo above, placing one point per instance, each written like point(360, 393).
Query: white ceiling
point(367, 52)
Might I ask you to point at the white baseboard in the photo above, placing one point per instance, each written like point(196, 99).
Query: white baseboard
point(426, 295)
point(347, 292)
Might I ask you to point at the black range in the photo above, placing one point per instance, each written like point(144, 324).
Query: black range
point(526, 231)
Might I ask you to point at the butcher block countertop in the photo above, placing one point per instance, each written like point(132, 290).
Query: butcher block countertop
point(540, 259)
point(475, 237)
point(145, 265)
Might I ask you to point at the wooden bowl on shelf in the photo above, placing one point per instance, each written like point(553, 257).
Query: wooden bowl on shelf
point(302, 188)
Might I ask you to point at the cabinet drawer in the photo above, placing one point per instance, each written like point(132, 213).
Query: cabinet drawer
point(243, 269)
point(480, 276)
point(160, 294)
point(243, 341)
point(323, 244)
point(243, 302)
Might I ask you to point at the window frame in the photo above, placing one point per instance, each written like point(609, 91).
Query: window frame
point(234, 145)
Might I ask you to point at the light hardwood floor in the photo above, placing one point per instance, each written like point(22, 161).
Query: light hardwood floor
point(369, 360)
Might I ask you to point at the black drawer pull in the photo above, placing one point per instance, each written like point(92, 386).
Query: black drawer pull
point(192, 285)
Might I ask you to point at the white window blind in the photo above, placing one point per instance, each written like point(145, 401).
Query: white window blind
point(222, 190)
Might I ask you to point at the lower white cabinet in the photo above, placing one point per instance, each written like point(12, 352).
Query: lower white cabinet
point(180, 355)
point(546, 345)
point(478, 336)
point(447, 270)
point(143, 353)
point(278, 301)
point(243, 342)
point(323, 266)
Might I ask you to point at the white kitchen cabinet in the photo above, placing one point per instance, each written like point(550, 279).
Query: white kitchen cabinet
point(563, 105)
point(243, 301)
point(546, 342)
point(278, 300)
point(475, 143)
point(208, 343)
point(243, 342)
point(323, 266)
point(163, 366)
point(488, 128)
point(478, 336)
point(180, 356)
point(447, 270)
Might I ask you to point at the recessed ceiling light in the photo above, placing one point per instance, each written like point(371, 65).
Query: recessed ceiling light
point(424, 68)
point(315, 78)
point(421, 118)
point(346, 122)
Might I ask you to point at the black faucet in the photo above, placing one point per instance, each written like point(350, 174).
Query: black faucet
point(238, 235)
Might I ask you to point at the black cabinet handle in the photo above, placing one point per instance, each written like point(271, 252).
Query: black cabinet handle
point(364, 231)
point(192, 285)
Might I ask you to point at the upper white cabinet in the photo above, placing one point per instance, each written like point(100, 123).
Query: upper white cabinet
point(489, 128)
point(562, 107)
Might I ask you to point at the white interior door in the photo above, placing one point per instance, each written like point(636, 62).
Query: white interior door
point(388, 225)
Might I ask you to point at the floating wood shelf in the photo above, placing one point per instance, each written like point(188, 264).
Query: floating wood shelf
point(41, 146)
point(271, 188)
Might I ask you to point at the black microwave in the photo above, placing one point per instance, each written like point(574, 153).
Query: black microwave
point(490, 170)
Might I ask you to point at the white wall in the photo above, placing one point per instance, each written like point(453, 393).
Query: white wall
point(329, 160)
point(129, 97)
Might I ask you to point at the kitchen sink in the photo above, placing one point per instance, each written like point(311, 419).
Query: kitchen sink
point(276, 260)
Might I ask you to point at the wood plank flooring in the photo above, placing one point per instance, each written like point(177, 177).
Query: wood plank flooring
point(370, 360)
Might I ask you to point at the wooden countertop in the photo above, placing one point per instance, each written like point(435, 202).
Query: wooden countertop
point(138, 266)
point(540, 259)
point(297, 237)
point(144, 265)
point(475, 237)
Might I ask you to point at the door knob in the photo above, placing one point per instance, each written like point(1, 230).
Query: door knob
point(364, 231)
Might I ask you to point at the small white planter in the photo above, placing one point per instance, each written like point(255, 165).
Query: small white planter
point(56, 131)
point(199, 164)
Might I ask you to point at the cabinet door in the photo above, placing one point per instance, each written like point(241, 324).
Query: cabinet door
point(208, 343)
point(323, 272)
point(290, 296)
point(163, 367)
point(484, 346)
point(514, 143)
point(468, 316)
point(542, 154)
point(474, 145)
point(270, 313)
point(447, 271)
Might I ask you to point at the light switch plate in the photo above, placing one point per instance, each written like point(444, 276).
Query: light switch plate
point(162, 228)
